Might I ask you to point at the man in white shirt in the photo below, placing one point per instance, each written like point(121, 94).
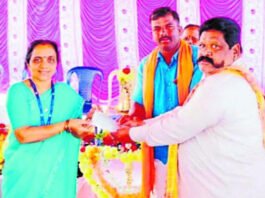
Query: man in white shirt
point(219, 128)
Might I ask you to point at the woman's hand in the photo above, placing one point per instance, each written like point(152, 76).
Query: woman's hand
point(92, 111)
point(81, 128)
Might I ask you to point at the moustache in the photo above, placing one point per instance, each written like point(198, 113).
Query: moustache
point(205, 58)
point(165, 37)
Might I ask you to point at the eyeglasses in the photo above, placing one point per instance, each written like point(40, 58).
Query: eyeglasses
point(39, 59)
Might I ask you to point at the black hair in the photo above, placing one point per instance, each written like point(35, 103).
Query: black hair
point(230, 29)
point(31, 47)
point(40, 42)
point(163, 11)
point(192, 26)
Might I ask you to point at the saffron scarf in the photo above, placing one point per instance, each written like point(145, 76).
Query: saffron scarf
point(236, 70)
point(184, 76)
point(255, 87)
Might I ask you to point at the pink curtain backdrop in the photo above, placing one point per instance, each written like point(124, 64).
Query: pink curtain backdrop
point(4, 78)
point(144, 9)
point(43, 23)
point(229, 8)
point(98, 30)
point(99, 44)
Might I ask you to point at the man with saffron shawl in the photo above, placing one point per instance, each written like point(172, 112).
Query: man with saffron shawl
point(164, 80)
point(219, 128)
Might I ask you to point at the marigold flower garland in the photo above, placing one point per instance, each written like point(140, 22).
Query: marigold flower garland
point(89, 165)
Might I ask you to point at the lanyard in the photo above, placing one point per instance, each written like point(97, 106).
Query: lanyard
point(40, 105)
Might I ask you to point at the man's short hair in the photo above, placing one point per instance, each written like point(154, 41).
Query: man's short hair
point(163, 11)
point(230, 29)
point(191, 26)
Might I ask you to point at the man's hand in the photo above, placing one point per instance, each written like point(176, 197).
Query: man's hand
point(137, 113)
point(124, 119)
point(130, 121)
point(122, 135)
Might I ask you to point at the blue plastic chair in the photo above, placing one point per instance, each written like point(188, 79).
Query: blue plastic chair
point(85, 77)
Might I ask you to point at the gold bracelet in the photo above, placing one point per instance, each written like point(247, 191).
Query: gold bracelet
point(66, 126)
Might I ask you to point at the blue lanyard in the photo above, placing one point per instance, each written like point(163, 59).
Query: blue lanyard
point(40, 105)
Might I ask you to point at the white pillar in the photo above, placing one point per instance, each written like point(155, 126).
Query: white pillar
point(189, 12)
point(126, 33)
point(71, 35)
point(253, 43)
point(17, 38)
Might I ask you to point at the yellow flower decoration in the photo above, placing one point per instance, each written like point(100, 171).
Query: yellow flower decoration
point(3, 135)
point(125, 75)
point(89, 165)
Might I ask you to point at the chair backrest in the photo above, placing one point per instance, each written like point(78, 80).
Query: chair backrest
point(85, 77)
point(111, 77)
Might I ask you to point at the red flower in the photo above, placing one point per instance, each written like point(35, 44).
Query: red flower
point(3, 129)
point(126, 70)
point(134, 147)
point(125, 147)
point(89, 137)
point(109, 140)
point(2, 125)
point(83, 149)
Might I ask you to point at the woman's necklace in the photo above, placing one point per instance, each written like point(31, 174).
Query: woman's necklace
point(40, 105)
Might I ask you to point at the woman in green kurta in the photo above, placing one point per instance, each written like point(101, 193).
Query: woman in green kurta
point(42, 153)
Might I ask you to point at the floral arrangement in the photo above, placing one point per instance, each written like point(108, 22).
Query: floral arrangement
point(104, 138)
point(125, 77)
point(3, 135)
point(90, 160)
point(100, 148)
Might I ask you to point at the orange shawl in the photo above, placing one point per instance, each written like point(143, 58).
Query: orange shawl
point(255, 87)
point(185, 71)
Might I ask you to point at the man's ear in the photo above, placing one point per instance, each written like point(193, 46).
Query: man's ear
point(236, 49)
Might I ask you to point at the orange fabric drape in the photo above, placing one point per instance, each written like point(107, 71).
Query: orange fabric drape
point(255, 87)
point(185, 71)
